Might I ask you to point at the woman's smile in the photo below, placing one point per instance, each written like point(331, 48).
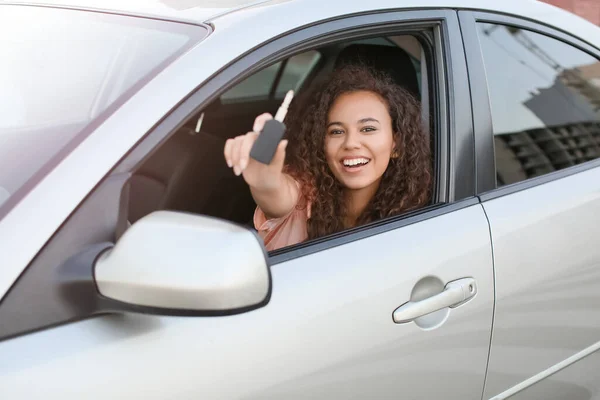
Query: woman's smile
point(354, 164)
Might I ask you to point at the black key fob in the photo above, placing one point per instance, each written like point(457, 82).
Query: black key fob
point(266, 144)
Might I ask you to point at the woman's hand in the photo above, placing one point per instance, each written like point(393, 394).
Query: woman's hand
point(256, 174)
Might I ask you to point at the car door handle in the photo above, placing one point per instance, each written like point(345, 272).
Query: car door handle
point(455, 294)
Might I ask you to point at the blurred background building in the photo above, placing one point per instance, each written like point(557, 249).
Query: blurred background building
point(588, 9)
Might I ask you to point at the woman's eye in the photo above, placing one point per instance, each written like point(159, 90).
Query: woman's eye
point(336, 132)
point(368, 129)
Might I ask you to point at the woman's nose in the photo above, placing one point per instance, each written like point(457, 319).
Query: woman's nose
point(352, 140)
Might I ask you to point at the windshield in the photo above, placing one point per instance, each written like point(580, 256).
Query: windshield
point(63, 72)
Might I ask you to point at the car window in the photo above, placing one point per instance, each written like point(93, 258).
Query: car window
point(545, 102)
point(259, 85)
point(295, 72)
point(61, 72)
point(414, 49)
point(256, 86)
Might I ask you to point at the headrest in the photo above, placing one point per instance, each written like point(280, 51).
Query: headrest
point(391, 60)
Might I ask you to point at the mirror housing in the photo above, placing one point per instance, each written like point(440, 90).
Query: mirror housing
point(174, 263)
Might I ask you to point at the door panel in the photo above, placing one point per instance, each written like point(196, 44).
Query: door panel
point(573, 383)
point(547, 267)
point(326, 333)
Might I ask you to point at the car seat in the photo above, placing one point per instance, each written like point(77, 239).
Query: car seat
point(179, 176)
point(392, 60)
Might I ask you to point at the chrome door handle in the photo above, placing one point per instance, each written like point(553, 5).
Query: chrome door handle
point(455, 293)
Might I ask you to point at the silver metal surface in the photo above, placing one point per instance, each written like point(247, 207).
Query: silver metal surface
point(548, 373)
point(189, 11)
point(547, 259)
point(578, 381)
point(184, 261)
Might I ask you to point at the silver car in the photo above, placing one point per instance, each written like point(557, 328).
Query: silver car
point(128, 263)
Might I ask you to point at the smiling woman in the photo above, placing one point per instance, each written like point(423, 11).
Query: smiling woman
point(358, 152)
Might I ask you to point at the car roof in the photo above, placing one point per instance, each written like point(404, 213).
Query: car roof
point(204, 10)
point(197, 11)
point(305, 12)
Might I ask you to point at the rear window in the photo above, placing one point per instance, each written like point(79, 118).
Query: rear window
point(63, 72)
point(275, 80)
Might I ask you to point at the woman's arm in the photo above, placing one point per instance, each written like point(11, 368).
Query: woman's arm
point(275, 192)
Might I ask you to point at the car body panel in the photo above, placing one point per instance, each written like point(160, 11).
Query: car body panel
point(189, 11)
point(327, 332)
point(578, 381)
point(546, 260)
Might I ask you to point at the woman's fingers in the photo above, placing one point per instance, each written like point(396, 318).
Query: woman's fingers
point(245, 148)
point(237, 150)
point(227, 151)
point(279, 157)
point(259, 122)
point(235, 154)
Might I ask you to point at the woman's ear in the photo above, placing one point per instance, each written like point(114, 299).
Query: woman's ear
point(395, 152)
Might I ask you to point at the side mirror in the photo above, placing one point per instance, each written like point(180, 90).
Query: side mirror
point(174, 263)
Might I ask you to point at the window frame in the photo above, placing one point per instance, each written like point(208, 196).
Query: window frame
point(311, 71)
point(454, 148)
point(485, 161)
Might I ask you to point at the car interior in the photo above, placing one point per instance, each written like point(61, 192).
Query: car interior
point(188, 172)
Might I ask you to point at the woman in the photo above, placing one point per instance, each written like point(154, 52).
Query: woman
point(357, 153)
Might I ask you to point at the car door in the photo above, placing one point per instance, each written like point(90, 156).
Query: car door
point(542, 201)
point(398, 308)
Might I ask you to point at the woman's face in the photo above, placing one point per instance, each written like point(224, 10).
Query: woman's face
point(359, 139)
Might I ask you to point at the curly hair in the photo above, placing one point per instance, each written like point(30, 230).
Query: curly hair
point(406, 183)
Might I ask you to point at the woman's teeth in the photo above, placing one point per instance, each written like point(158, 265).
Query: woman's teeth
point(354, 162)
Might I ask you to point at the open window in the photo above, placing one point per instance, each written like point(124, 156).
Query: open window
point(188, 172)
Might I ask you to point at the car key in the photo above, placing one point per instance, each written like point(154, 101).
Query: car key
point(266, 144)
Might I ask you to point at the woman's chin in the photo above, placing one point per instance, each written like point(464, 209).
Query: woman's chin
point(358, 183)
